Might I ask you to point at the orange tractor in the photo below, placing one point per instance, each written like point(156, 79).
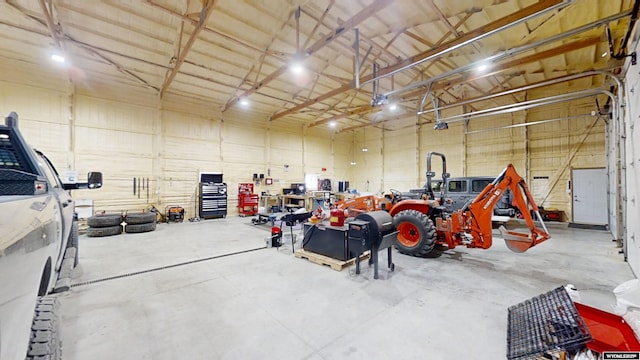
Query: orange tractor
point(424, 223)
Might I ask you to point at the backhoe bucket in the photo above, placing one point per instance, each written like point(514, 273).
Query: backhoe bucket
point(520, 242)
point(516, 241)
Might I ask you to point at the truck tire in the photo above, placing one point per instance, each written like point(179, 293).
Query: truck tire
point(416, 233)
point(104, 220)
point(104, 231)
point(73, 241)
point(140, 218)
point(139, 228)
point(45, 342)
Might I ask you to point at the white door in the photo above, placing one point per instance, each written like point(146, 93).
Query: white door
point(589, 193)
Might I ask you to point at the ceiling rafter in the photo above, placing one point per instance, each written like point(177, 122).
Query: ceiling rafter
point(105, 19)
point(509, 65)
point(420, 73)
point(137, 40)
point(348, 46)
point(453, 30)
point(278, 55)
point(380, 122)
point(64, 36)
point(48, 17)
point(261, 62)
point(205, 13)
point(532, 9)
point(511, 18)
point(177, 41)
point(319, 22)
point(361, 16)
point(345, 114)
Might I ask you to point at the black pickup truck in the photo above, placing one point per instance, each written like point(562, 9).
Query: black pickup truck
point(39, 241)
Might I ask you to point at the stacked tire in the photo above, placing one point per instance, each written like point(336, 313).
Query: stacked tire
point(104, 225)
point(140, 222)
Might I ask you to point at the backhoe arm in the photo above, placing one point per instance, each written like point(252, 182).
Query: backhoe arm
point(477, 215)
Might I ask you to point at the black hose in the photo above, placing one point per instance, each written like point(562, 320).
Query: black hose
point(625, 40)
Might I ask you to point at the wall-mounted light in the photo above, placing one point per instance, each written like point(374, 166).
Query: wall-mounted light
point(604, 54)
point(364, 149)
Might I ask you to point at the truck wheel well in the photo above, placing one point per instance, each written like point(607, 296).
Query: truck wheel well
point(44, 280)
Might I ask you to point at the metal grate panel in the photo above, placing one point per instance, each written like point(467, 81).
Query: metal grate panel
point(10, 156)
point(547, 323)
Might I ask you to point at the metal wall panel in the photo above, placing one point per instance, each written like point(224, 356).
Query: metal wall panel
point(630, 232)
point(491, 146)
point(555, 147)
point(400, 159)
point(43, 115)
point(448, 142)
point(117, 139)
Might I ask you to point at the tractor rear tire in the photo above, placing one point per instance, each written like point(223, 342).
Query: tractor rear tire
point(416, 234)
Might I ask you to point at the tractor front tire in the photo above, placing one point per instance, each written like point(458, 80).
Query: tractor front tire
point(416, 234)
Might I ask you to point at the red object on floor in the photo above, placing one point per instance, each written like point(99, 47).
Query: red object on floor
point(610, 332)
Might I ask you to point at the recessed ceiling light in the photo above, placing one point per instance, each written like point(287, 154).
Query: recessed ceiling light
point(244, 102)
point(57, 58)
point(332, 124)
point(393, 107)
point(482, 67)
point(353, 163)
point(364, 149)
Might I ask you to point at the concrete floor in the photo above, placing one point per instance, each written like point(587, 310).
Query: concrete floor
point(267, 304)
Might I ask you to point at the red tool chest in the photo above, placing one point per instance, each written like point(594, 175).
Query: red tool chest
point(247, 200)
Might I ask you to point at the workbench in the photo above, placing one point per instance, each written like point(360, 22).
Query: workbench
point(267, 202)
point(296, 202)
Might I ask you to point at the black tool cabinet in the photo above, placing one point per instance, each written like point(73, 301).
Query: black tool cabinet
point(213, 200)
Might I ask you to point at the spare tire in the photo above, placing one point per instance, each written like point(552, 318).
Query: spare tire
point(416, 233)
point(104, 220)
point(104, 231)
point(140, 218)
point(139, 228)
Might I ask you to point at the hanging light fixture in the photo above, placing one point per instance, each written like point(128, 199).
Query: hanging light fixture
point(364, 136)
point(353, 150)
